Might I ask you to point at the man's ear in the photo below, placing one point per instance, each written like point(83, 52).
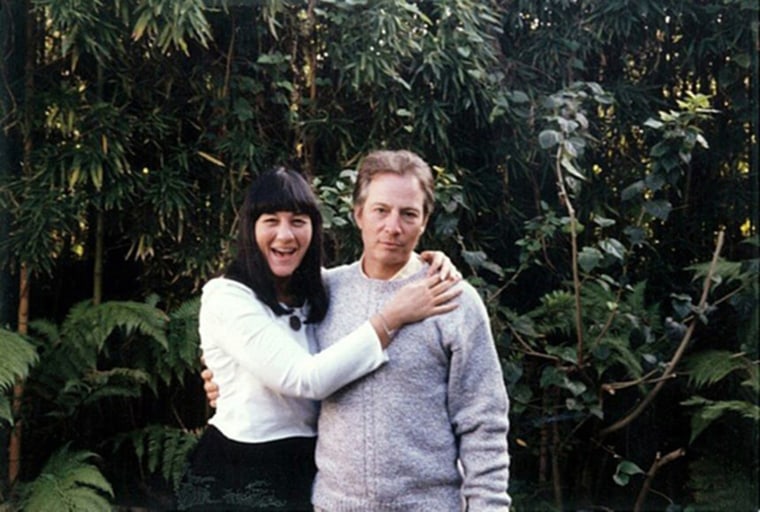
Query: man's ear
point(358, 211)
point(424, 224)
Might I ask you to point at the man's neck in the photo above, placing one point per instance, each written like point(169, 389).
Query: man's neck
point(389, 273)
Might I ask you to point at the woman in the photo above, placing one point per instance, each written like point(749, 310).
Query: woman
point(256, 326)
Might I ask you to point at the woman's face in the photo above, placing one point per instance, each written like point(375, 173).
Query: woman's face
point(283, 238)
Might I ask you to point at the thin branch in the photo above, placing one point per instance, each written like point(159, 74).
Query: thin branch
point(613, 387)
point(565, 198)
point(670, 370)
point(658, 463)
point(527, 349)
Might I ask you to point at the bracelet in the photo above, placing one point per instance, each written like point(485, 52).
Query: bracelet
point(388, 332)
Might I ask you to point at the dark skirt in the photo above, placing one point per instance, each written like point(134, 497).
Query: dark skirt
point(225, 475)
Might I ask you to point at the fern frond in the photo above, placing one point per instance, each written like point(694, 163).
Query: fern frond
point(124, 382)
point(710, 410)
point(620, 352)
point(711, 366)
point(636, 300)
point(183, 341)
point(93, 324)
point(555, 314)
point(161, 449)
point(726, 270)
point(18, 357)
point(6, 413)
point(48, 330)
point(68, 482)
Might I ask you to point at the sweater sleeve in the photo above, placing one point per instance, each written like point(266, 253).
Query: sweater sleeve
point(479, 408)
point(244, 329)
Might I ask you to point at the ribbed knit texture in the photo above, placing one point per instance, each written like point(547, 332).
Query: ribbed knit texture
point(390, 441)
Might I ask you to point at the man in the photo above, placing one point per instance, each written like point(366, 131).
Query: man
point(428, 430)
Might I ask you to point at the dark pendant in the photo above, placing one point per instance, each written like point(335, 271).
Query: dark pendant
point(295, 322)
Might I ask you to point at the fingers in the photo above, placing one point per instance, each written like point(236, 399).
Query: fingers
point(211, 388)
point(438, 285)
point(447, 297)
point(437, 260)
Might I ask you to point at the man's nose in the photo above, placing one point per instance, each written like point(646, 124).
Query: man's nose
point(393, 222)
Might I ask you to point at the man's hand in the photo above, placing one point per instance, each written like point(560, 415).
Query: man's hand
point(210, 387)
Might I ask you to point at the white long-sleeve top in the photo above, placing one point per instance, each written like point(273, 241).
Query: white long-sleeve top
point(271, 375)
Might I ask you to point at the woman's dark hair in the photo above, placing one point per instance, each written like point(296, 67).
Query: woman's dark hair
point(276, 190)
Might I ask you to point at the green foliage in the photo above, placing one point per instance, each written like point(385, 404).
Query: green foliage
point(70, 355)
point(625, 469)
point(99, 361)
point(170, 24)
point(707, 369)
point(19, 356)
point(153, 116)
point(731, 488)
point(159, 449)
point(710, 410)
point(182, 353)
point(711, 366)
point(69, 482)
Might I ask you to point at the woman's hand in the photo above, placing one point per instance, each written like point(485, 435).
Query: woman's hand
point(210, 387)
point(414, 302)
point(440, 264)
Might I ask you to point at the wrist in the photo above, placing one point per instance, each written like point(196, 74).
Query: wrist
point(387, 327)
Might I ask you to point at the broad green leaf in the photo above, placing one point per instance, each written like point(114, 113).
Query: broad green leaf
point(548, 139)
point(589, 258)
point(658, 208)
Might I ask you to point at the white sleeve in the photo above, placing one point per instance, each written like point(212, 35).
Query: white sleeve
point(244, 328)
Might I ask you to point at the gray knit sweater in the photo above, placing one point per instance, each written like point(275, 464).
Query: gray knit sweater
point(391, 441)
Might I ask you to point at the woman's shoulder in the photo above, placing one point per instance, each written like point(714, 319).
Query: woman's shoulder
point(222, 292)
point(223, 284)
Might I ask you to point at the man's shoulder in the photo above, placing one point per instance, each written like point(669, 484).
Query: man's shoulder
point(470, 301)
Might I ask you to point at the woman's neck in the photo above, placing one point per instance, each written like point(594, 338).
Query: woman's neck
point(285, 295)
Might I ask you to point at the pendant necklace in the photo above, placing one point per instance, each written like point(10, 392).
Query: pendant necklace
point(295, 322)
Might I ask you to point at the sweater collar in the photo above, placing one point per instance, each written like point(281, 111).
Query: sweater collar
point(412, 266)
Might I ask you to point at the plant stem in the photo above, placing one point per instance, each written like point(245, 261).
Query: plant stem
point(670, 369)
point(565, 198)
point(656, 465)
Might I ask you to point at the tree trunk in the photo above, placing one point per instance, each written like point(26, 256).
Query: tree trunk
point(14, 445)
point(97, 278)
point(12, 18)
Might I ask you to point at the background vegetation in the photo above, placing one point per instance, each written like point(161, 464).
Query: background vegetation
point(597, 167)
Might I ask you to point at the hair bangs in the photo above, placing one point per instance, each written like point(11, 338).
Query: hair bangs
point(280, 192)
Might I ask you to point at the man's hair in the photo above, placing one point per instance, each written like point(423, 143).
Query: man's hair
point(401, 162)
point(276, 190)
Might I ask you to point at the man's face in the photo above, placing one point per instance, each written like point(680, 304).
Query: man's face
point(391, 221)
